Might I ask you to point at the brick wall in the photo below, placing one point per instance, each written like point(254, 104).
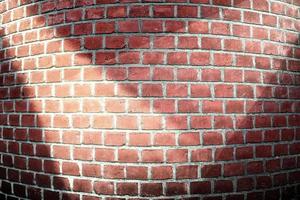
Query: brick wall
point(160, 99)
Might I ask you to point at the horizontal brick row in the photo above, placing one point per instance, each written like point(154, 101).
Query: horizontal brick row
point(146, 26)
point(160, 11)
point(153, 156)
point(153, 90)
point(134, 122)
point(157, 189)
point(156, 58)
point(108, 56)
point(144, 139)
point(150, 106)
point(157, 74)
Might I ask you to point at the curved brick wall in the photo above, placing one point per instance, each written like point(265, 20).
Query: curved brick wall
point(166, 99)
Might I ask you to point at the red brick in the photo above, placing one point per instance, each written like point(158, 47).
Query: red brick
point(244, 61)
point(198, 27)
point(199, 58)
point(139, 11)
point(83, 153)
point(222, 186)
point(223, 122)
point(187, 74)
point(137, 106)
point(113, 171)
point(186, 171)
point(220, 28)
point(127, 188)
point(234, 169)
point(139, 42)
point(234, 106)
point(81, 185)
point(94, 13)
point(104, 188)
point(241, 31)
point(93, 42)
point(232, 15)
point(152, 26)
point(188, 106)
point(151, 189)
point(177, 155)
point(263, 182)
point(132, 57)
point(175, 26)
point(163, 11)
point(222, 90)
point(210, 12)
point(233, 75)
point(105, 58)
point(187, 11)
point(137, 172)
point(164, 139)
point(186, 42)
point(127, 155)
point(261, 5)
point(104, 154)
point(211, 43)
point(116, 11)
point(114, 139)
point(200, 122)
point(163, 73)
point(152, 156)
point(83, 29)
point(210, 75)
point(245, 184)
point(200, 91)
point(127, 89)
point(211, 171)
point(212, 106)
point(263, 151)
point(139, 139)
point(115, 42)
point(102, 122)
point(128, 26)
point(223, 59)
point(105, 27)
point(91, 170)
point(164, 42)
point(70, 168)
point(113, 105)
point(153, 58)
point(212, 138)
point(92, 74)
point(189, 139)
point(251, 17)
point(62, 152)
point(176, 90)
point(200, 187)
point(224, 153)
point(61, 183)
point(201, 155)
point(74, 15)
point(244, 153)
point(162, 172)
point(152, 90)
point(176, 188)
point(177, 58)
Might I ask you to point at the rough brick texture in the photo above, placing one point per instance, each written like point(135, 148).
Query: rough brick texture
point(154, 99)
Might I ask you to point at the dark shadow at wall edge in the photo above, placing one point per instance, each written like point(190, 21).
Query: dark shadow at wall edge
point(30, 136)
